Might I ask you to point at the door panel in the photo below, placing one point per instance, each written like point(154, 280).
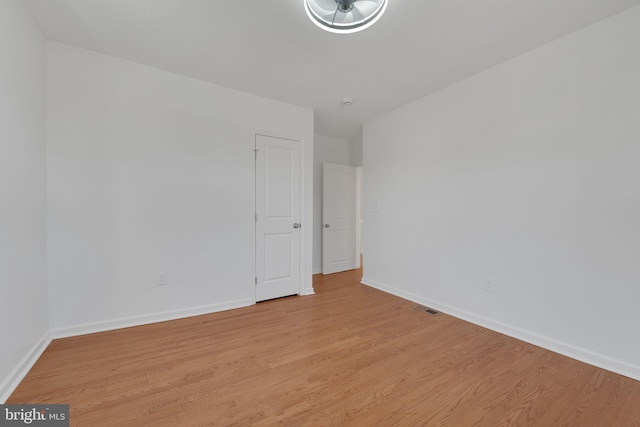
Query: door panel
point(339, 219)
point(278, 185)
point(340, 242)
point(278, 208)
point(278, 253)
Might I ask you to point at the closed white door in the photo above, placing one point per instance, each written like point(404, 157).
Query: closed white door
point(278, 225)
point(338, 217)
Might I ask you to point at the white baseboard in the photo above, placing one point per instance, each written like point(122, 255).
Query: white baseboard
point(127, 322)
point(316, 271)
point(308, 291)
point(23, 367)
point(578, 353)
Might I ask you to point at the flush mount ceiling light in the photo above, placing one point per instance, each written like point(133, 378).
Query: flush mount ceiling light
point(344, 16)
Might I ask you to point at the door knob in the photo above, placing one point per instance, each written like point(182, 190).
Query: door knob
point(326, 226)
point(296, 225)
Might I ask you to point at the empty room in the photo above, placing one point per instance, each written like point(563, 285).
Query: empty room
point(320, 212)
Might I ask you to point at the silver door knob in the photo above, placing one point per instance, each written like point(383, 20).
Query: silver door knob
point(296, 225)
point(326, 226)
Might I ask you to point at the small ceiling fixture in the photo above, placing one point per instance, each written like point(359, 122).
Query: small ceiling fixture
point(347, 102)
point(344, 16)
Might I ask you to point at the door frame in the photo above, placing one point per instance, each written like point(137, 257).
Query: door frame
point(359, 172)
point(305, 287)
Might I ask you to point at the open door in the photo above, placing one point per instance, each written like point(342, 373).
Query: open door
point(338, 217)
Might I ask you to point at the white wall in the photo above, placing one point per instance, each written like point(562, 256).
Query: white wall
point(23, 283)
point(357, 149)
point(326, 150)
point(149, 172)
point(525, 176)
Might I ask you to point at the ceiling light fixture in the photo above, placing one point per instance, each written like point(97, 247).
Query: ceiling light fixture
point(344, 16)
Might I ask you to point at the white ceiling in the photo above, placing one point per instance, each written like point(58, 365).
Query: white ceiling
point(270, 48)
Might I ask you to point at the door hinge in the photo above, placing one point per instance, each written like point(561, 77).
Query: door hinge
point(255, 152)
point(256, 280)
point(256, 217)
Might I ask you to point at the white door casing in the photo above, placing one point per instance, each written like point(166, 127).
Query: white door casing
point(358, 215)
point(278, 217)
point(338, 218)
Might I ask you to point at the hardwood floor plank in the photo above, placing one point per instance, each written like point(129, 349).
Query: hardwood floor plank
point(348, 356)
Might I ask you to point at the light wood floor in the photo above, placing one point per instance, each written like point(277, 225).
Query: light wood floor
point(350, 355)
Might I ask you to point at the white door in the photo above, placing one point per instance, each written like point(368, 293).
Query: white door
point(278, 225)
point(338, 218)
